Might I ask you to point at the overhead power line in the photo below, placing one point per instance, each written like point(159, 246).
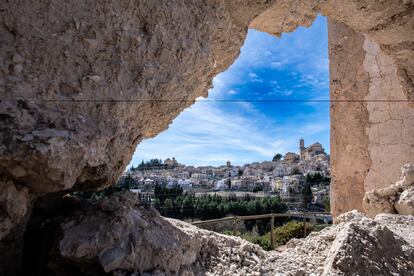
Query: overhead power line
point(212, 100)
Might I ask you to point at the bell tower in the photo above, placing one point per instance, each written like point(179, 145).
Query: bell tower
point(301, 147)
point(301, 144)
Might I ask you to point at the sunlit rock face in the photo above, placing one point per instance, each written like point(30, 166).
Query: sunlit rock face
point(395, 199)
point(82, 83)
point(372, 118)
point(78, 79)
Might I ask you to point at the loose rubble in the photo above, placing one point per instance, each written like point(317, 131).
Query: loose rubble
point(397, 198)
point(122, 238)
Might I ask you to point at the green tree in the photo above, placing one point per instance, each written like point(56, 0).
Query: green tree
point(128, 182)
point(327, 204)
point(277, 157)
point(295, 170)
point(307, 194)
point(168, 207)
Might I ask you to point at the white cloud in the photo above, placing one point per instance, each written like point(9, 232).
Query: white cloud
point(205, 134)
point(275, 64)
point(255, 78)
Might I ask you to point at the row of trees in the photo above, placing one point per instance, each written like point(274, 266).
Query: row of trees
point(151, 164)
point(172, 202)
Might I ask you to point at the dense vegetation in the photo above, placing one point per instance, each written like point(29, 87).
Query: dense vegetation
point(282, 234)
point(290, 230)
point(150, 165)
point(317, 179)
point(172, 202)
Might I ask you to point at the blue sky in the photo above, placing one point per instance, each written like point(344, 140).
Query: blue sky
point(211, 131)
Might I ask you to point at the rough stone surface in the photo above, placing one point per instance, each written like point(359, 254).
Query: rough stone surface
point(13, 204)
point(405, 204)
point(66, 118)
point(390, 124)
point(353, 246)
point(119, 237)
point(397, 198)
point(81, 84)
point(350, 159)
point(372, 119)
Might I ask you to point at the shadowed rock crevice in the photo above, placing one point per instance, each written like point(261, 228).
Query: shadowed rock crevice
point(41, 236)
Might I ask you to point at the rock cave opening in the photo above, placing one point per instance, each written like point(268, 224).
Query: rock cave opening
point(67, 71)
point(276, 92)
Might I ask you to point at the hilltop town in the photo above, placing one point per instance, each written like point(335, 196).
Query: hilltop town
point(285, 175)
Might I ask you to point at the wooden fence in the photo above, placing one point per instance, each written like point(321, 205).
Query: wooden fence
point(272, 216)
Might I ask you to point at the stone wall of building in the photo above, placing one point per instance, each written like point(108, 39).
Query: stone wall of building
point(372, 121)
point(390, 126)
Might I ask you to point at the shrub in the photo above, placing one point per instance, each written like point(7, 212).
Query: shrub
point(290, 230)
point(262, 241)
point(282, 234)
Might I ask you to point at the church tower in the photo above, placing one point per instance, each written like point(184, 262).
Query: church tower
point(301, 147)
point(301, 144)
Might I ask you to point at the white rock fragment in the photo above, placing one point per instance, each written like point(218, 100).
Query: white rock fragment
point(94, 78)
point(18, 68)
point(93, 43)
point(18, 58)
point(405, 204)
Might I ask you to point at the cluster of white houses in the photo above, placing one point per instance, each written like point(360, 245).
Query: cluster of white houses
point(285, 177)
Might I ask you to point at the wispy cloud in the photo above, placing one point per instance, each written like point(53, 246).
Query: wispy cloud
point(205, 132)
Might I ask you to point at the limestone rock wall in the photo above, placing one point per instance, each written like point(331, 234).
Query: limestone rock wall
point(70, 71)
point(82, 83)
point(350, 160)
point(372, 122)
point(390, 126)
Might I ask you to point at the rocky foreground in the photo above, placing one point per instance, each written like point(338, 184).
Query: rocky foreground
point(118, 237)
